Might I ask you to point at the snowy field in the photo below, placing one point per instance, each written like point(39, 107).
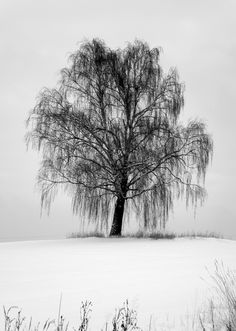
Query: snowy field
point(163, 278)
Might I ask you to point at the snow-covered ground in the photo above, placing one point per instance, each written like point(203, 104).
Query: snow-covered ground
point(163, 278)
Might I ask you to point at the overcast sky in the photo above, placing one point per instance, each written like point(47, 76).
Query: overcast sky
point(197, 37)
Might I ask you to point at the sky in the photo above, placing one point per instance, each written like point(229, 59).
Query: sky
point(197, 37)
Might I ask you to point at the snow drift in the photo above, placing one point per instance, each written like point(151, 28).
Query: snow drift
point(167, 279)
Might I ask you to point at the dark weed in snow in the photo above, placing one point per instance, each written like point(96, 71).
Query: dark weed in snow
point(124, 319)
point(220, 314)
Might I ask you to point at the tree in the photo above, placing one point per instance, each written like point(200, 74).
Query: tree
point(110, 135)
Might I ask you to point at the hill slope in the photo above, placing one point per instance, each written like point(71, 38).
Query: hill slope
point(165, 278)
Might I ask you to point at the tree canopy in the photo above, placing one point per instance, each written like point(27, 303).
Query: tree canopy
point(109, 134)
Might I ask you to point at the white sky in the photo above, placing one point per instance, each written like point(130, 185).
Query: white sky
point(197, 37)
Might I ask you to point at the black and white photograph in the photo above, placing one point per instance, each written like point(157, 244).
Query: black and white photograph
point(118, 165)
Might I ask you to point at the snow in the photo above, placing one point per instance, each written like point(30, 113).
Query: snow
point(167, 279)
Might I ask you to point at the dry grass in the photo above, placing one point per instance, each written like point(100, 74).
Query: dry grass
point(124, 319)
point(152, 235)
point(205, 234)
point(220, 314)
point(14, 321)
point(88, 234)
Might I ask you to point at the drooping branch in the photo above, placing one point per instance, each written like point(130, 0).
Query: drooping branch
point(110, 131)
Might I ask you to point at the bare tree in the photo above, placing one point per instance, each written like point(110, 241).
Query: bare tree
point(110, 135)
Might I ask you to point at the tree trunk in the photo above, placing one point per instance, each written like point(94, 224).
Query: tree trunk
point(118, 217)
